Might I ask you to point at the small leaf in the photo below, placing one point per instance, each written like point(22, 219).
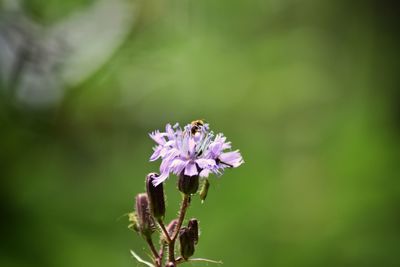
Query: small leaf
point(136, 256)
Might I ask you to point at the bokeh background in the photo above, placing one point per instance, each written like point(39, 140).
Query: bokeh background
point(307, 90)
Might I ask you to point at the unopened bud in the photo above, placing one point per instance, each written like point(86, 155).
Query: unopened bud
point(156, 196)
point(204, 189)
point(188, 184)
point(171, 264)
point(133, 222)
point(193, 227)
point(145, 221)
point(187, 243)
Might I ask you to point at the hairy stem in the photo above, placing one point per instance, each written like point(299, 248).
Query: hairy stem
point(182, 213)
point(152, 248)
point(164, 230)
point(171, 251)
point(161, 253)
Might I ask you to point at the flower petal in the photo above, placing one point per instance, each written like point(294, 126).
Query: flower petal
point(191, 169)
point(170, 132)
point(158, 180)
point(178, 165)
point(205, 163)
point(156, 153)
point(192, 147)
point(204, 173)
point(158, 137)
point(232, 158)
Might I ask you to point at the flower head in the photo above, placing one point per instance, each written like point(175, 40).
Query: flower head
point(192, 151)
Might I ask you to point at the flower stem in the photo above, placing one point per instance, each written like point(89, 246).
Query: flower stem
point(152, 248)
point(182, 213)
point(161, 253)
point(164, 230)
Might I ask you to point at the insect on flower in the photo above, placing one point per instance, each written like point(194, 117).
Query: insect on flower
point(196, 126)
point(193, 150)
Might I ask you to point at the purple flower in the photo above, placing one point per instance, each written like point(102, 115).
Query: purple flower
point(192, 151)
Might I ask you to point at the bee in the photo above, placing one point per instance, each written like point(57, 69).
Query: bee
point(196, 126)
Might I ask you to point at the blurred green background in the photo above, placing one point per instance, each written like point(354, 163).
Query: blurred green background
point(307, 90)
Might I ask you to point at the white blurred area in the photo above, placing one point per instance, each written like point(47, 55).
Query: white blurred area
point(38, 63)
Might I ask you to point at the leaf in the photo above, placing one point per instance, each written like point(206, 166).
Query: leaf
point(141, 260)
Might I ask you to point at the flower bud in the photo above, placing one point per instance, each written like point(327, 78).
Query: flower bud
point(145, 221)
point(133, 222)
point(193, 227)
point(204, 189)
point(187, 243)
point(188, 184)
point(170, 264)
point(156, 196)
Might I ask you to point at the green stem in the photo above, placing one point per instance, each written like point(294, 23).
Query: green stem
point(182, 213)
point(152, 248)
point(164, 230)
